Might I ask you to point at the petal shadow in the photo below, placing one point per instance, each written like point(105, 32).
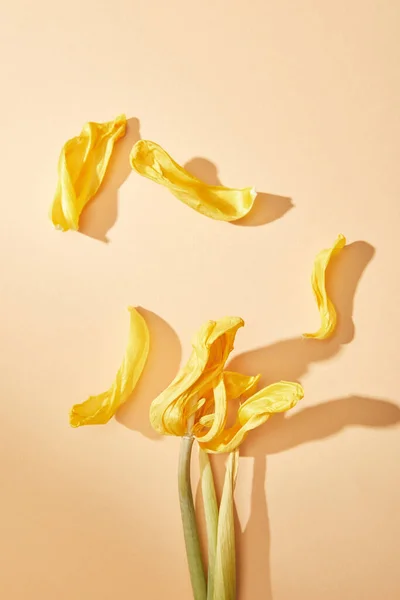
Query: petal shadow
point(267, 207)
point(282, 433)
point(162, 365)
point(99, 216)
point(290, 359)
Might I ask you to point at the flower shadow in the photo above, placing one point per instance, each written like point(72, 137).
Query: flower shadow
point(284, 433)
point(267, 207)
point(162, 365)
point(290, 360)
point(101, 213)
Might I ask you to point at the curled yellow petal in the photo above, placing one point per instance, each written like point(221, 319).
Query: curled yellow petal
point(216, 202)
point(212, 344)
point(220, 415)
point(325, 306)
point(238, 385)
point(225, 558)
point(100, 409)
point(81, 168)
point(213, 413)
point(275, 398)
point(256, 410)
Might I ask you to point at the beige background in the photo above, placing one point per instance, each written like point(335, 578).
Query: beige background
point(300, 99)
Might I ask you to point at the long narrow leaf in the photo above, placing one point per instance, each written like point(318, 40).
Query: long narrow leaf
point(211, 516)
point(225, 562)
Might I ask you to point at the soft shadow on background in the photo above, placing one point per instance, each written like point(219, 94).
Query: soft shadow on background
point(162, 365)
point(101, 213)
point(284, 433)
point(267, 207)
point(290, 360)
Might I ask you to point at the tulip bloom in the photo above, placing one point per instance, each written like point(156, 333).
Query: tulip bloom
point(194, 406)
point(196, 402)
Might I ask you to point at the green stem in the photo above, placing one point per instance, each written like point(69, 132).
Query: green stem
point(192, 543)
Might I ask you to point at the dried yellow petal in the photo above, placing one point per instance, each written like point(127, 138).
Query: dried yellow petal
point(220, 415)
point(256, 410)
point(238, 385)
point(225, 560)
point(100, 409)
point(325, 306)
point(216, 202)
point(81, 168)
point(196, 402)
point(170, 411)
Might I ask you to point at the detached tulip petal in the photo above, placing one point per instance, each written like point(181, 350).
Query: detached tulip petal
point(100, 409)
point(216, 202)
point(256, 410)
point(81, 168)
point(170, 411)
point(325, 305)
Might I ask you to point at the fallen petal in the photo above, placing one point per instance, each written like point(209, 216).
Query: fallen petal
point(81, 168)
point(216, 202)
point(325, 306)
point(98, 410)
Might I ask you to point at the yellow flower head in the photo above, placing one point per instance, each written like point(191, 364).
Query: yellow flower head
point(81, 169)
point(171, 410)
point(214, 201)
point(196, 402)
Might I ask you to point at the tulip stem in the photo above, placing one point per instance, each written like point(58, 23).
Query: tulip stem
point(190, 532)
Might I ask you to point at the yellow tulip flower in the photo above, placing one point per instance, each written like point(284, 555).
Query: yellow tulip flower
point(172, 409)
point(318, 281)
point(214, 201)
point(81, 169)
point(196, 402)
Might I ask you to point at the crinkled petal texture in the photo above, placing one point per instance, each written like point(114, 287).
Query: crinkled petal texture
point(216, 202)
point(81, 168)
point(326, 308)
point(213, 413)
point(197, 400)
point(256, 410)
point(98, 410)
point(171, 410)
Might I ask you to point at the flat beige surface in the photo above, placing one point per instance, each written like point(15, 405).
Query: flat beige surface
point(300, 99)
